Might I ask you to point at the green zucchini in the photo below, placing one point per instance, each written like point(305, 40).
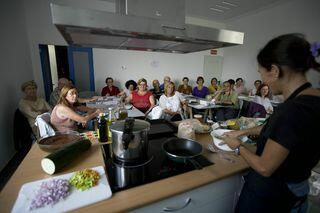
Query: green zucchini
point(58, 159)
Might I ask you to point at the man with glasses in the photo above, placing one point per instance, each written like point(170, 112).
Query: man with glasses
point(228, 98)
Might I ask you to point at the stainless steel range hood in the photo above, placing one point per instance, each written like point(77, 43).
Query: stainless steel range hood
point(93, 28)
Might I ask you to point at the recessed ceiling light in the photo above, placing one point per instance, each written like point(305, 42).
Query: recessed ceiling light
point(229, 3)
point(223, 7)
point(216, 10)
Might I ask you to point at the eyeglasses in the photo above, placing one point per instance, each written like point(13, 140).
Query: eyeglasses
point(142, 84)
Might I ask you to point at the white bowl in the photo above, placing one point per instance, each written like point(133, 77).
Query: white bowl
point(128, 106)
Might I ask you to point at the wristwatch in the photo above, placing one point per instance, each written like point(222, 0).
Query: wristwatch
point(237, 150)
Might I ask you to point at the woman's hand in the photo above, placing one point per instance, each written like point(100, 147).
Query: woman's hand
point(232, 142)
point(234, 134)
point(97, 112)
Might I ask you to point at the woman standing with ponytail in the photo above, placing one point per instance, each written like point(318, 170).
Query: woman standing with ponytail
point(287, 147)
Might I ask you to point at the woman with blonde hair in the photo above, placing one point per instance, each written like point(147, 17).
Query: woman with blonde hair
point(142, 99)
point(31, 105)
point(64, 115)
point(170, 103)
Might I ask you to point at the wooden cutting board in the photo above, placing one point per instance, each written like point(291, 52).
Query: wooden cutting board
point(76, 199)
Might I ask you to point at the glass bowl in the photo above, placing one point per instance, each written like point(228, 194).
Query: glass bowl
point(51, 143)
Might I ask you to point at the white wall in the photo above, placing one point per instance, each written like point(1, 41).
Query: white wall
point(15, 68)
point(123, 65)
point(294, 16)
point(25, 25)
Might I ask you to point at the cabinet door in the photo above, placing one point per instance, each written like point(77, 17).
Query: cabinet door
point(218, 197)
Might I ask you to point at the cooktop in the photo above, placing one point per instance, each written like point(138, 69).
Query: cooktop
point(157, 167)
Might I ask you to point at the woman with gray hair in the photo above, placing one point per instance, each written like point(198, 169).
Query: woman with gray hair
point(31, 105)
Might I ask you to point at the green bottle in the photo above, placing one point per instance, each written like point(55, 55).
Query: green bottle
point(102, 128)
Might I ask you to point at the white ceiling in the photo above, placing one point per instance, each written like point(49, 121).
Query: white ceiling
point(225, 10)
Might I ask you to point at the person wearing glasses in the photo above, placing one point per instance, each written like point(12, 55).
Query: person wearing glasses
point(142, 99)
point(229, 98)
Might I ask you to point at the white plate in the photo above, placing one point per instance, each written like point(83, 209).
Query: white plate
point(75, 200)
point(217, 141)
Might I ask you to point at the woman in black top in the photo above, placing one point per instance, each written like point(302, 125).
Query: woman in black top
point(287, 147)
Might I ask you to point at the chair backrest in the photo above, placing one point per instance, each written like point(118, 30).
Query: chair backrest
point(43, 124)
point(252, 110)
point(22, 132)
point(256, 110)
point(244, 108)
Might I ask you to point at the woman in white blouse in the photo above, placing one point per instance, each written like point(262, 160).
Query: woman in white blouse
point(262, 98)
point(171, 102)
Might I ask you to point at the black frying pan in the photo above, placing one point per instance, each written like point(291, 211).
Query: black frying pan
point(182, 150)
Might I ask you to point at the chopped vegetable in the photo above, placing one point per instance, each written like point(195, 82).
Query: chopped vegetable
point(85, 179)
point(50, 192)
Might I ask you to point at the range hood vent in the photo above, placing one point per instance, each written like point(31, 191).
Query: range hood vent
point(100, 29)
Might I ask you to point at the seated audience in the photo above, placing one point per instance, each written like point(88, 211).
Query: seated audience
point(239, 86)
point(232, 83)
point(185, 88)
point(170, 102)
point(200, 91)
point(110, 90)
point(156, 91)
point(55, 95)
point(262, 98)
point(254, 90)
point(31, 105)
point(166, 80)
point(64, 115)
point(214, 87)
point(130, 86)
point(229, 98)
point(142, 99)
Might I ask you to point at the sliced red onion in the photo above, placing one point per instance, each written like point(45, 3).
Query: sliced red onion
point(49, 193)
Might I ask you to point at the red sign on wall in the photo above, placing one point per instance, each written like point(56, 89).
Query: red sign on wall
point(214, 52)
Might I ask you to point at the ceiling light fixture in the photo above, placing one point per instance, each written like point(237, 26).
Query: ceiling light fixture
point(229, 3)
point(216, 10)
point(223, 7)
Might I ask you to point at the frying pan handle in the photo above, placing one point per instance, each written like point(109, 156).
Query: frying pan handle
point(177, 208)
point(195, 163)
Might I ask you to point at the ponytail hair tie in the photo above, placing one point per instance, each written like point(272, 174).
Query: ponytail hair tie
point(315, 49)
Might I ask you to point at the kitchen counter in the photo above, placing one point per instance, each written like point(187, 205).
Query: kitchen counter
point(30, 170)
